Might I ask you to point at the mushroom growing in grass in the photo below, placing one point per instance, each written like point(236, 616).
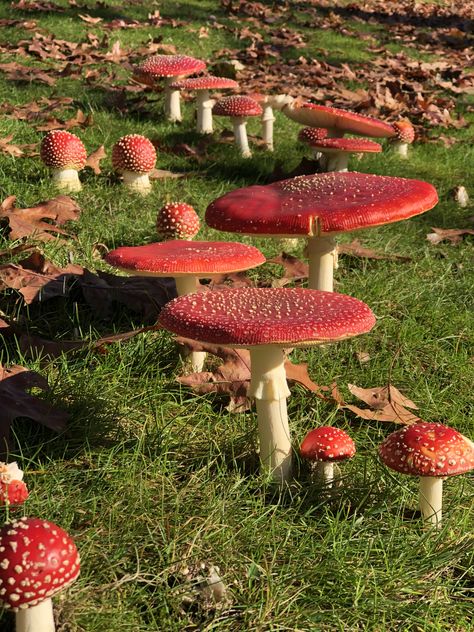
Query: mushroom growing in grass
point(186, 262)
point(266, 321)
point(171, 68)
point(177, 220)
point(13, 490)
point(337, 151)
point(238, 108)
point(431, 451)
point(66, 155)
point(202, 86)
point(134, 156)
point(405, 135)
point(317, 207)
point(324, 446)
point(38, 559)
point(269, 103)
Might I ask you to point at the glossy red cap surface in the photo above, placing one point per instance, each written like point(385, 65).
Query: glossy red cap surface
point(237, 106)
point(63, 150)
point(335, 118)
point(13, 493)
point(170, 66)
point(405, 132)
point(204, 83)
point(258, 316)
point(37, 560)
point(327, 444)
point(133, 153)
point(428, 449)
point(312, 134)
point(320, 204)
point(186, 257)
point(177, 220)
point(346, 145)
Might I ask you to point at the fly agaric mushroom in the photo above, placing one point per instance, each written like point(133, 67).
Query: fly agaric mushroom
point(338, 122)
point(202, 86)
point(324, 446)
point(38, 559)
point(171, 68)
point(337, 151)
point(269, 103)
point(238, 108)
point(177, 220)
point(66, 155)
point(186, 262)
point(405, 135)
point(134, 156)
point(431, 451)
point(265, 321)
point(318, 207)
point(13, 490)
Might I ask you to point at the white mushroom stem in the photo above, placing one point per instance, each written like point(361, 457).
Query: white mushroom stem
point(337, 162)
point(401, 149)
point(188, 285)
point(322, 256)
point(37, 618)
point(431, 498)
point(139, 182)
point(172, 101)
point(269, 388)
point(240, 134)
point(268, 119)
point(67, 179)
point(204, 106)
point(325, 472)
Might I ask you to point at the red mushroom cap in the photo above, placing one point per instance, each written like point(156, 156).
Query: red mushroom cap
point(405, 132)
point(13, 493)
point(204, 83)
point(258, 316)
point(63, 150)
point(177, 220)
point(342, 120)
point(236, 106)
point(327, 444)
point(320, 204)
point(37, 560)
point(170, 66)
point(311, 134)
point(179, 257)
point(428, 449)
point(133, 153)
point(346, 145)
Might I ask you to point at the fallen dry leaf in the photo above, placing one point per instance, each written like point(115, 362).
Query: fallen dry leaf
point(94, 158)
point(386, 404)
point(356, 249)
point(453, 235)
point(162, 174)
point(295, 269)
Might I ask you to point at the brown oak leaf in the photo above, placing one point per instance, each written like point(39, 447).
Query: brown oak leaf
point(386, 403)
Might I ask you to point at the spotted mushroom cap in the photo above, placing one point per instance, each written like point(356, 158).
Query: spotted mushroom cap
point(327, 443)
point(178, 257)
point(335, 118)
point(319, 204)
point(237, 105)
point(170, 66)
point(244, 317)
point(63, 150)
point(37, 560)
point(405, 132)
point(311, 134)
point(133, 153)
point(346, 145)
point(204, 83)
point(177, 220)
point(428, 449)
point(13, 493)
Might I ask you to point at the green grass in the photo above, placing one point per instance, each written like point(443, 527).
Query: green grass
point(150, 478)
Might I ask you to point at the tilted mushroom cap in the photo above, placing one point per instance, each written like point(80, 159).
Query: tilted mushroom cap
point(345, 145)
point(236, 106)
point(170, 66)
point(204, 83)
point(177, 220)
point(404, 131)
point(319, 204)
point(342, 120)
point(262, 316)
point(176, 257)
point(428, 449)
point(311, 134)
point(37, 560)
point(133, 153)
point(63, 150)
point(327, 443)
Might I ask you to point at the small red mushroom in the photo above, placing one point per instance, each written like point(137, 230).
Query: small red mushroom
point(405, 135)
point(134, 156)
point(325, 446)
point(177, 220)
point(238, 108)
point(13, 490)
point(38, 559)
point(66, 155)
point(337, 151)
